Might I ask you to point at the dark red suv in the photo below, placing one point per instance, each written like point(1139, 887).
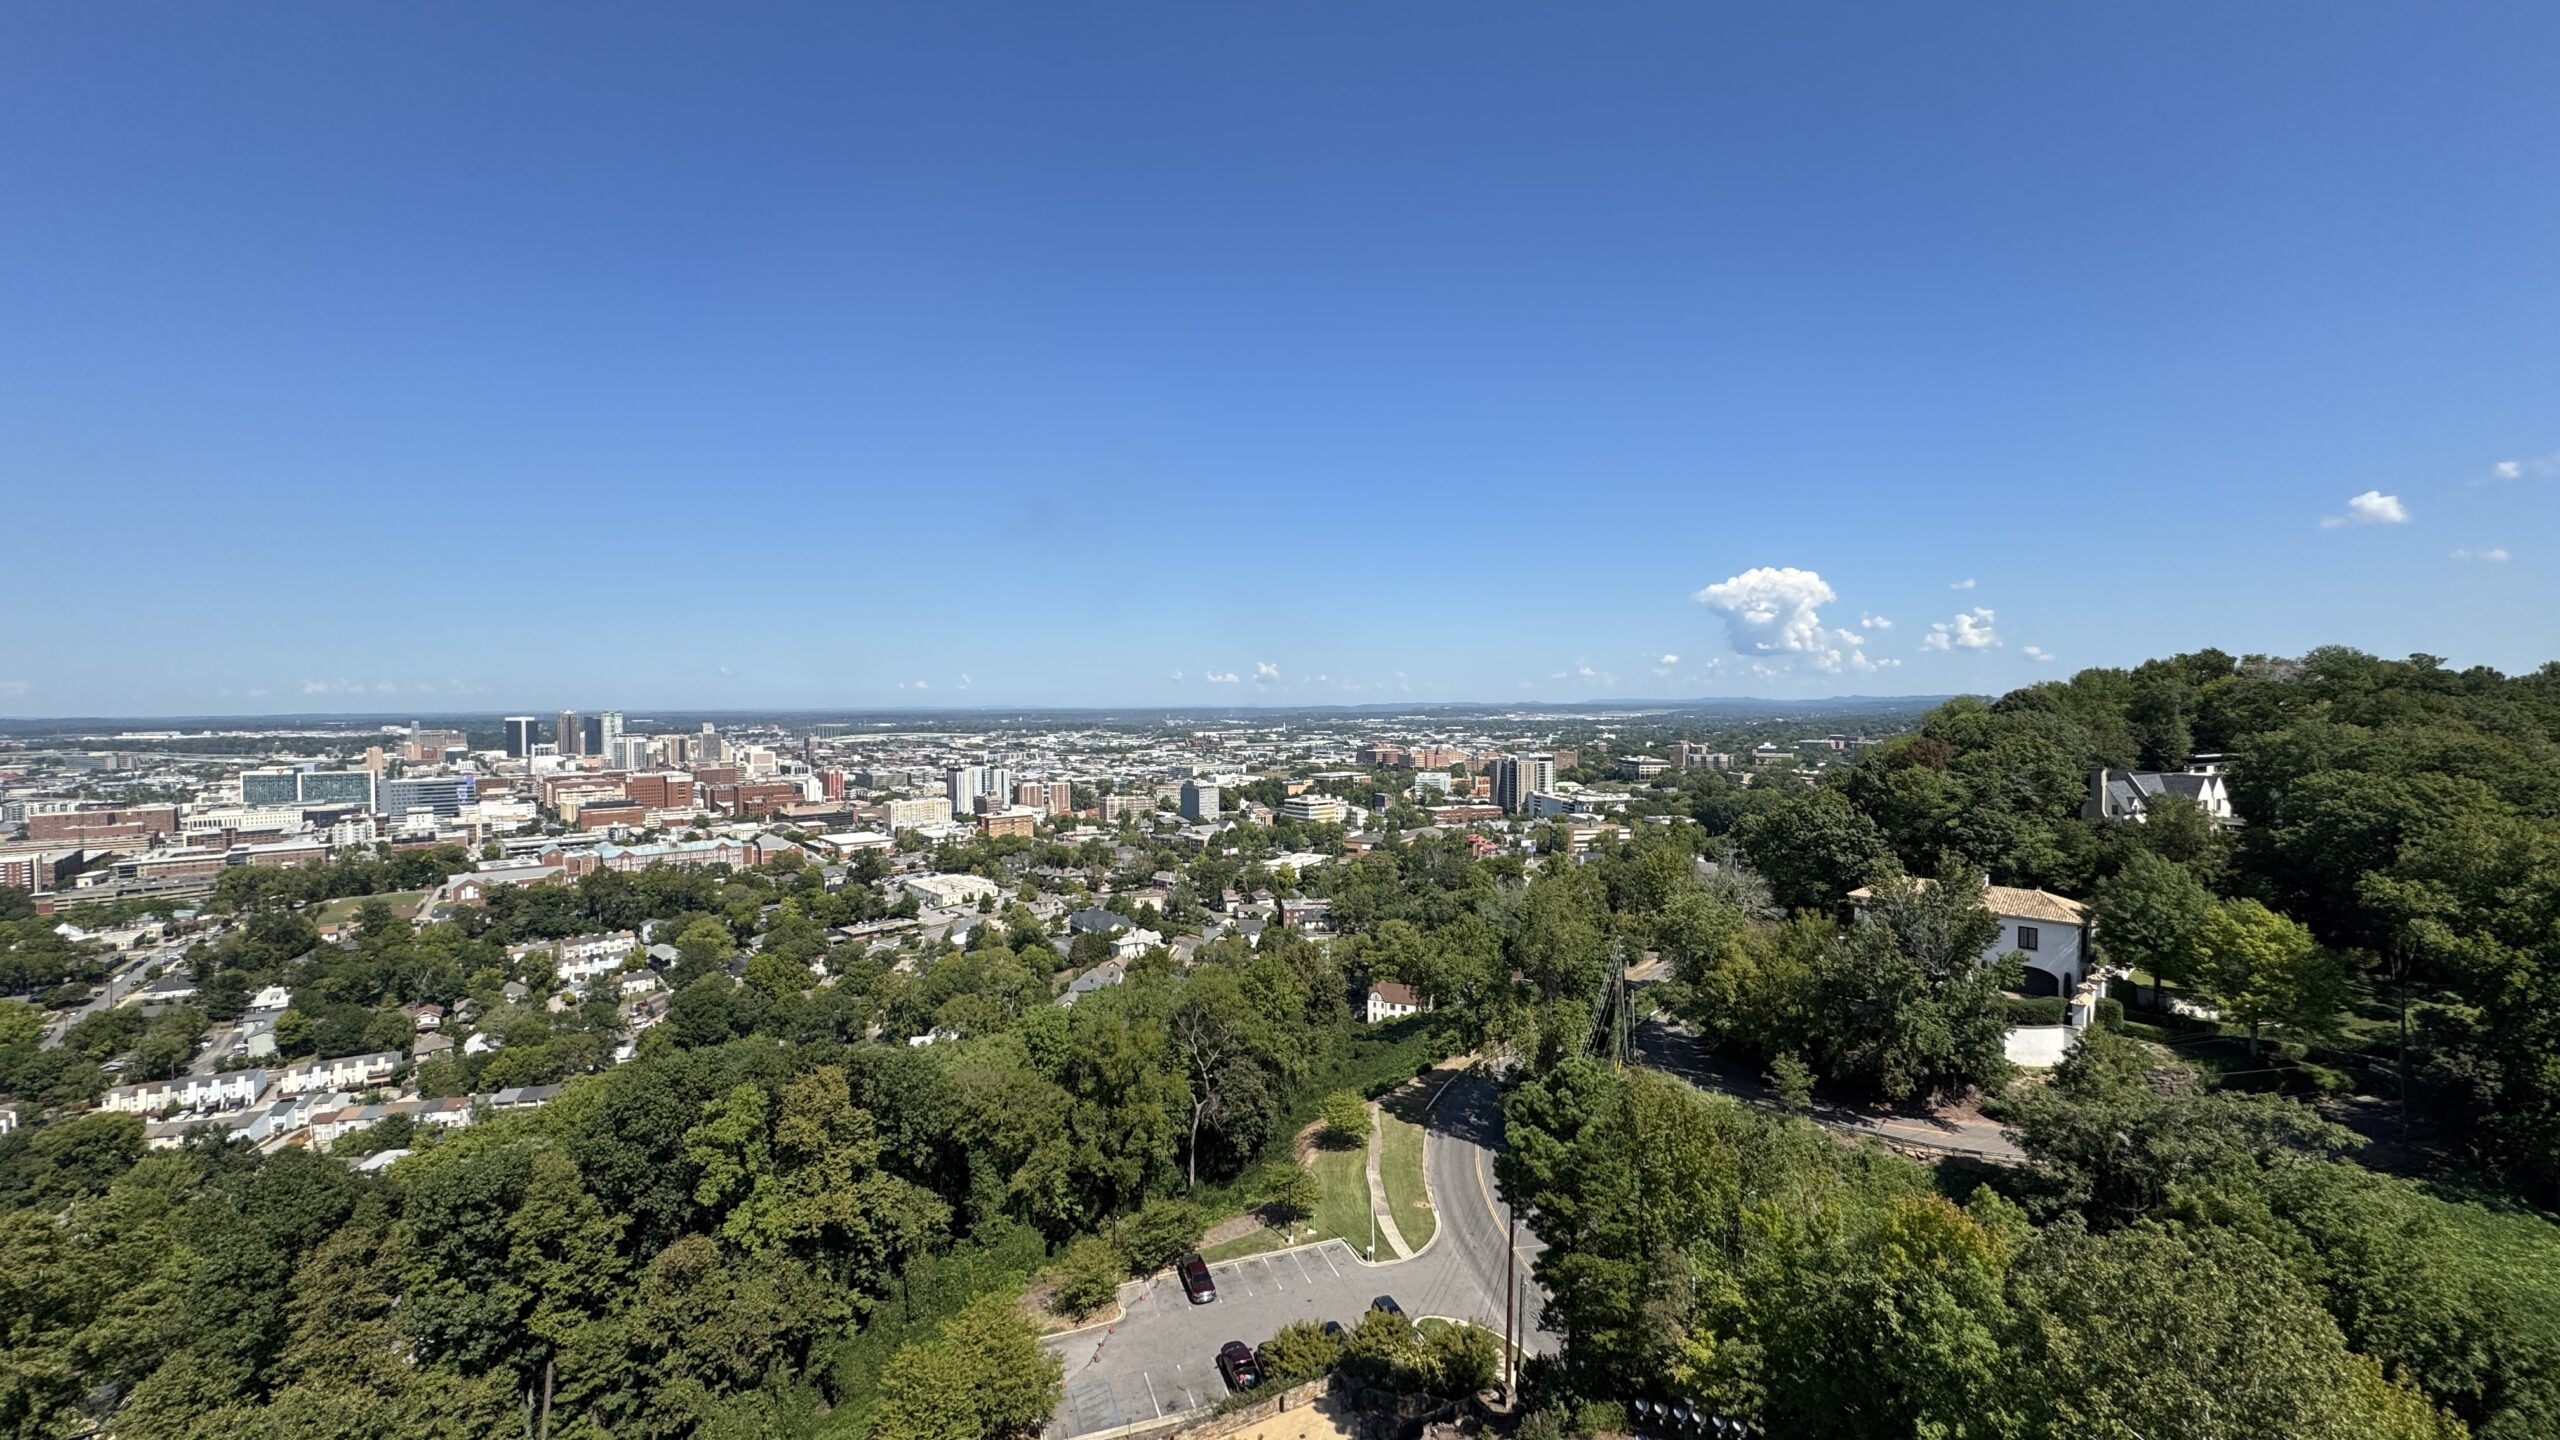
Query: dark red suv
point(1238, 1364)
point(1195, 1279)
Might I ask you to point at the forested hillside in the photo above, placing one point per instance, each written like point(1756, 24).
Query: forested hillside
point(781, 1218)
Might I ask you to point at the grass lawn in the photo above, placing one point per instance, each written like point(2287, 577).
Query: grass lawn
point(1400, 1172)
point(1344, 1209)
point(333, 911)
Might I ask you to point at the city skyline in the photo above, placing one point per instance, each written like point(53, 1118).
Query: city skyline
point(1199, 358)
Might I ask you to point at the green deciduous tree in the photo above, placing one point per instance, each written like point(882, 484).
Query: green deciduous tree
point(2261, 967)
point(983, 1376)
point(2151, 914)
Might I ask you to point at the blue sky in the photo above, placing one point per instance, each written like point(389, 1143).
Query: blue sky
point(484, 356)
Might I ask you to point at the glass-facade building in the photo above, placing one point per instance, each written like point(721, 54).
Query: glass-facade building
point(285, 788)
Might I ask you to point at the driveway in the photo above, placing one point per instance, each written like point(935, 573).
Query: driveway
point(1159, 1357)
point(1675, 1049)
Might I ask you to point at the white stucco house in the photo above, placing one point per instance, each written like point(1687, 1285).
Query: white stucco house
point(2048, 934)
point(1389, 1000)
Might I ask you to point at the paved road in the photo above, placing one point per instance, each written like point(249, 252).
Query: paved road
point(123, 977)
point(1159, 1358)
point(1675, 1049)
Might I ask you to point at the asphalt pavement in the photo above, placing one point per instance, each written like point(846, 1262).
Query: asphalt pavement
point(1160, 1357)
point(1677, 1050)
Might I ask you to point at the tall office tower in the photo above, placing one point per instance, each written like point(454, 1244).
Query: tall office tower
point(630, 752)
point(962, 785)
point(597, 735)
point(567, 736)
point(1517, 777)
point(1199, 801)
point(520, 731)
point(709, 747)
point(996, 780)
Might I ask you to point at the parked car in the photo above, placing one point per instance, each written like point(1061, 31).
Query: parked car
point(1195, 1279)
point(1388, 1304)
point(1238, 1365)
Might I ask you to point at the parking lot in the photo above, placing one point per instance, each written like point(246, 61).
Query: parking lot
point(1160, 1357)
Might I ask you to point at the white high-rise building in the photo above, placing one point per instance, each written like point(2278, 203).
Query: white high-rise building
point(962, 785)
point(1517, 777)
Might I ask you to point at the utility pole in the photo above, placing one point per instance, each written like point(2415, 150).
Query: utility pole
point(1510, 1292)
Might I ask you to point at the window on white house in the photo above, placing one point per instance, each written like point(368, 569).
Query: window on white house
point(2026, 937)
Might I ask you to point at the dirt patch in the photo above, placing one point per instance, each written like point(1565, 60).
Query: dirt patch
point(1234, 1227)
point(1038, 1302)
point(1303, 1149)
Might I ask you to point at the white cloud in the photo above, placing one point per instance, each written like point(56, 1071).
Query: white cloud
point(1177, 674)
point(923, 684)
point(254, 691)
point(1873, 622)
point(1214, 678)
point(2036, 653)
point(1970, 630)
point(1776, 611)
point(16, 688)
point(2370, 508)
point(1668, 660)
point(338, 687)
point(2494, 555)
point(964, 679)
point(1964, 584)
point(1265, 673)
point(2541, 467)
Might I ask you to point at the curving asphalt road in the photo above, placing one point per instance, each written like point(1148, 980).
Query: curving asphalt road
point(1158, 1359)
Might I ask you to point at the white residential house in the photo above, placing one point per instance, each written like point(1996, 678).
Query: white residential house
point(1128, 945)
point(1389, 999)
point(2047, 933)
point(274, 997)
point(583, 957)
point(2127, 794)
point(224, 1091)
point(346, 1072)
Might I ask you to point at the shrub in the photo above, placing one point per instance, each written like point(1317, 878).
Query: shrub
point(1295, 1193)
point(1300, 1352)
point(1088, 1275)
point(2111, 1013)
point(2042, 1010)
point(1346, 1119)
point(1461, 1360)
point(1159, 1231)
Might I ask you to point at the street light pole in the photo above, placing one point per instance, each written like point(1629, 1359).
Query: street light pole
point(1510, 1292)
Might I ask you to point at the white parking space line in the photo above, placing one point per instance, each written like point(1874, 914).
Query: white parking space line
point(1303, 1272)
point(1151, 1394)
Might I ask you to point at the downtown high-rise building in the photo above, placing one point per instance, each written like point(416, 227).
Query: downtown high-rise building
point(597, 732)
point(1517, 777)
point(567, 736)
point(521, 733)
